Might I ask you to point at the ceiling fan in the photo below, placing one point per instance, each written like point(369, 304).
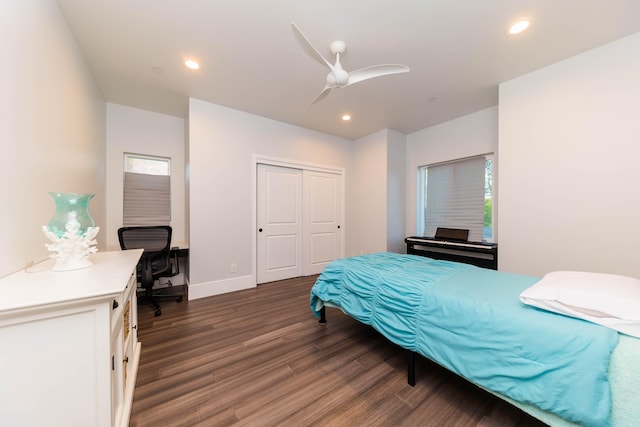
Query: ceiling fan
point(338, 77)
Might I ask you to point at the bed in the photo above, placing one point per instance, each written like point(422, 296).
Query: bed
point(562, 370)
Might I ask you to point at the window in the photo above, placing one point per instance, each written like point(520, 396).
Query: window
point(146, 164)
point(147, 190)
point(457, 194)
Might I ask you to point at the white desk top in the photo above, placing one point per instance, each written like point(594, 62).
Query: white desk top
point(108, 276)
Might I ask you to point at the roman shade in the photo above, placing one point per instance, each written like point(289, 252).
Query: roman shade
point(147, 199)
point(455, 197)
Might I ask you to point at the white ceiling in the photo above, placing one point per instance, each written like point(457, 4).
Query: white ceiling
point(458, 52)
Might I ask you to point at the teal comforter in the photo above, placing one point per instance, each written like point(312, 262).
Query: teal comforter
point(471, 321)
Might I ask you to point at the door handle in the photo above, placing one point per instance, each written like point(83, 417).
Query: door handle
point(338, 226)
point(260, 230)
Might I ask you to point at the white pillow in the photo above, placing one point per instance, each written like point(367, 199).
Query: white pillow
point(607, 299)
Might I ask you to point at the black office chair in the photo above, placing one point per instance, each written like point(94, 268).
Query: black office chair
point(156, 260)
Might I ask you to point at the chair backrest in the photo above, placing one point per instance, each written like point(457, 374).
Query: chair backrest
point(153, 238)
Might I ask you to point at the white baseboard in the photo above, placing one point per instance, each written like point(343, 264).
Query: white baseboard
point(203, 290)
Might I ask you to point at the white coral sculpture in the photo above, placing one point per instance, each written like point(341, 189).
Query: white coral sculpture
point(71, 250)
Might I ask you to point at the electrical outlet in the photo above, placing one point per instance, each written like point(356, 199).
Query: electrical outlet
point(234, 267)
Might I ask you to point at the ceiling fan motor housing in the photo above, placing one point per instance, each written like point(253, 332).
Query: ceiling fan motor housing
point(337, 78)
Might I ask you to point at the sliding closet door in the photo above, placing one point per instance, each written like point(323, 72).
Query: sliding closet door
point(299, 222)
point(279, 217)
point(322, 220)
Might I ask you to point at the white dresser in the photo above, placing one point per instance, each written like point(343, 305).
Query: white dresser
point(69, 347)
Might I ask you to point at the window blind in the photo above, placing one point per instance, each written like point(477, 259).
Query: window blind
point(455, 197)
point(147, 199)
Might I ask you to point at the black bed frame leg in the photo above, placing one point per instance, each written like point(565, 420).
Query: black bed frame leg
point(323, 317)
point(411, 368)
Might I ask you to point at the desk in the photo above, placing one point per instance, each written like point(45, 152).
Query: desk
point(477, 253)
point(180, 250)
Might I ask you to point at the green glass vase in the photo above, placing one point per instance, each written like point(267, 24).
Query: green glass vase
point(72, 214)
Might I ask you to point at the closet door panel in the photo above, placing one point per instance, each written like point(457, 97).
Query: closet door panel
point(322, 219)
point(279, 217)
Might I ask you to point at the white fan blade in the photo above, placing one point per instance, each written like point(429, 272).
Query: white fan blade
point(308, 47)
point(322, 95)
point(375, 71)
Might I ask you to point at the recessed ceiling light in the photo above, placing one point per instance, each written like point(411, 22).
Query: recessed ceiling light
point(520, 26)
point(190, 63)
point(346, 117)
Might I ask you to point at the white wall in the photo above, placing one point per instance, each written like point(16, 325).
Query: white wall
point(367, 196)
point(222, 144)
point(569, 168)
point(376, 213)
point(131, 130)
point(470, 135)
point(52, 128)
point(396, 190)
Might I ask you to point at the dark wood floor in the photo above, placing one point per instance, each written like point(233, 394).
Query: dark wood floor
point(259, 358)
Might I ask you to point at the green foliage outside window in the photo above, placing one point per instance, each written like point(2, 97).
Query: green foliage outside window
point(488, 199)
point(488, 207)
